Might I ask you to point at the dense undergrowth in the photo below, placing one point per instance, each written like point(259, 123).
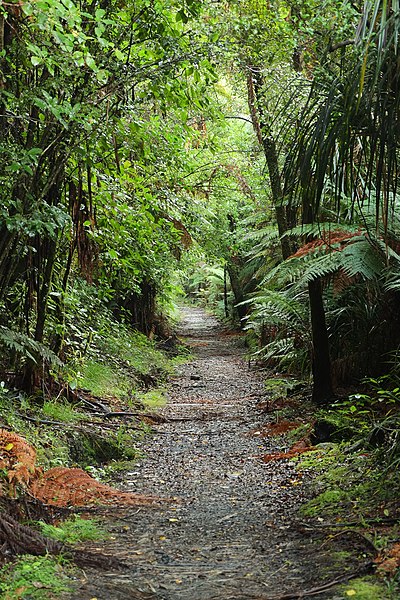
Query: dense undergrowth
point(120, 367)
point(351, 459)
point(109, 368)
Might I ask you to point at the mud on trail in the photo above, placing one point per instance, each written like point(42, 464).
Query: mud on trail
point(234, 532)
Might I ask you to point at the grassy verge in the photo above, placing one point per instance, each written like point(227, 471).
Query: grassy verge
point(36, 578)
point(356, 487)
point(48, 577)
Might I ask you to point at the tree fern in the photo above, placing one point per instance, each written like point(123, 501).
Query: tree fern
point(360, 257)
point(280, 320)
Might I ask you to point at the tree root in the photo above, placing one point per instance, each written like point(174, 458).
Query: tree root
point(16, 539)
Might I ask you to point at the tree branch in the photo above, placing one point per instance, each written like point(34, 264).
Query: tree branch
point(334, 47)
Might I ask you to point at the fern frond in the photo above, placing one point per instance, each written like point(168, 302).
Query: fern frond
point(286, 272)
point(275, 308)
point(321, 267)
point(264, 234)
point(363, 259)
point(360, 257)
point(320, 229)
point(26, 347)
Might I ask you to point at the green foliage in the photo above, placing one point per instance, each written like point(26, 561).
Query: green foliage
point(341, 488)
point(23, 346)
point(61, 411)
point(77, 80)
point(74, 530)
point(106, 355)
point(339, 108)
point(367, 589)
point(65, 444)
point(36, 577)
point(280, 320)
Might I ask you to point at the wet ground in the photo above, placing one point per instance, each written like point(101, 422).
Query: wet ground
point(234, 533)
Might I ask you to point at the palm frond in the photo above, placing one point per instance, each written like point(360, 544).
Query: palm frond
point(349, 131)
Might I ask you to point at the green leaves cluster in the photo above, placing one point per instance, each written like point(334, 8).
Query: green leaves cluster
point(97, 104)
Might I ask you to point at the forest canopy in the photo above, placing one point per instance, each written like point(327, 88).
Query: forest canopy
point(245, 152)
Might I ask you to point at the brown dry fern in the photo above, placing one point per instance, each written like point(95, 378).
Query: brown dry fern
point(60, 486)
point(74, 487)
point(17, 458)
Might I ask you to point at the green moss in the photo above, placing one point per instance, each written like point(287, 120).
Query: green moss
point(326, 501)
point(365, 491)
point(90, 448)
point(33, 577)
point(74, 530)
point(366, 589)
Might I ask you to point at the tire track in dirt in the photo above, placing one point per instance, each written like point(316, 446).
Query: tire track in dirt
point(233, 533)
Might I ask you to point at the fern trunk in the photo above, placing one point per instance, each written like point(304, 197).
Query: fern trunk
point(321, 363)
point(237, 290)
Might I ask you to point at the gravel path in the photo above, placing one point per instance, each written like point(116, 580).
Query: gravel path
point(233, 533)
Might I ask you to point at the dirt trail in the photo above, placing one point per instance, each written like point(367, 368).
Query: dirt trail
point(233, 535)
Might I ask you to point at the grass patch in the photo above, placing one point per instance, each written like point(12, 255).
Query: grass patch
point(132, 347)
point(61, 411)
point(153, 398)
point(105, 381)
point(367, 589)
point(34, 578)
point(74, 530)
point(125, 366)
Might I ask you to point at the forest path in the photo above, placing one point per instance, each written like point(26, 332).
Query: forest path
point(233, 535)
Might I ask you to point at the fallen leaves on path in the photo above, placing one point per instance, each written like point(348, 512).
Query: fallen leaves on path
point(274, 429)
point(297, 449)
point(388, 562)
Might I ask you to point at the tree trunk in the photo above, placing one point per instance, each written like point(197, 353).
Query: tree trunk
point(237, 291)
point(254, 87)
point(321, 364)
point(226, 307)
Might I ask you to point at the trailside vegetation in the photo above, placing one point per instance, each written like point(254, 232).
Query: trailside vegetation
point(244, 154)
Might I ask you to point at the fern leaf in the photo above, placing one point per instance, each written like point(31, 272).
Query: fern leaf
point(25, 346)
